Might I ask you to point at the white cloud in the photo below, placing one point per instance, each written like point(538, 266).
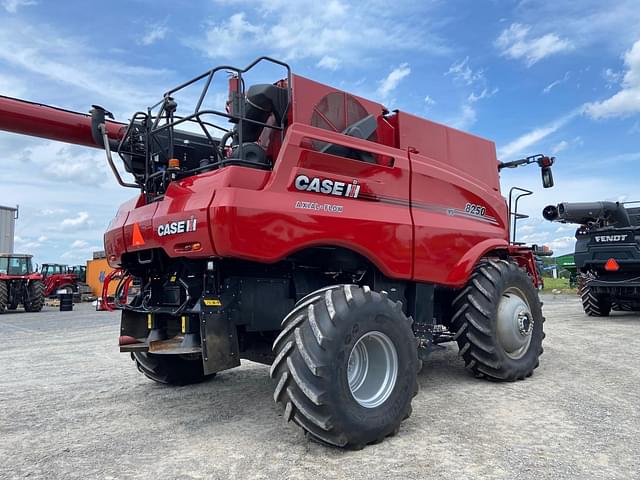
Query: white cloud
point(587, 22)
point(552, 85)
point(627, 100)
point(11, 86)
point(82, 219)
point(527, 140)
point(429, 101)
point(154, 33)
point(562, 244)
point(52, 211)
point(65, 60)
point(12, 6)
point(465, 119)
point(612, 78)
point(485, 93)
point(516, 43)
point(307, 29)
point(462, 72)
point(79, 244)
point(391, 81)
point(559, 147)
point(329, 62)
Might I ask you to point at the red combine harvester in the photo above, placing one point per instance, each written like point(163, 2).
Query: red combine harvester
point(317, 232)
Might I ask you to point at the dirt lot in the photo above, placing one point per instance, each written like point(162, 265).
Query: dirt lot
point(71, 406)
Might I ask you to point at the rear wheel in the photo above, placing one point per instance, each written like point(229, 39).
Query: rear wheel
point(4, 296)
point(346, 366)
point(171, 369)
point(594, 305)
point(35, 296)
point(498, 322)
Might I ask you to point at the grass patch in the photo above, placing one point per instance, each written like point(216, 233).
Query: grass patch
point(561, 284)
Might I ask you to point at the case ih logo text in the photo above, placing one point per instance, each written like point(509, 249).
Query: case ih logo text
point(327, 186)
point(611, 238)
point(173, 228)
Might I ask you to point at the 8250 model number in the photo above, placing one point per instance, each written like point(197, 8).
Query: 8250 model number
point(474, 209)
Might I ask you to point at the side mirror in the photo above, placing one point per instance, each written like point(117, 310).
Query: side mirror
point(545, 166)
point(547, 177)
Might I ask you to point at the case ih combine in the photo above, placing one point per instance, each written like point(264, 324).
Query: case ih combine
point(316, 232)
point(607, 253)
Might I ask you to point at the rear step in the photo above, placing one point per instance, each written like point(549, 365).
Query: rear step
point(178, 345)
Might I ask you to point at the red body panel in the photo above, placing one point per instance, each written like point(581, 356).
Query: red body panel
point(448, 238)
point(55, 281)
point(29, 277)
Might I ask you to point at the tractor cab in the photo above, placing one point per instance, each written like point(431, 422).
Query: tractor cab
point(49, 269)
point(80, 271)
point(15, 265)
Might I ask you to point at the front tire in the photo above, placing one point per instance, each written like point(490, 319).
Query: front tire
point(498, 322)
point(170, 369)
point(35, 301)
point(346, 366)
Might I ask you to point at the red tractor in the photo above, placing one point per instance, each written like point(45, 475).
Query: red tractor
point(58, 278)
point(317, 232)
point(20, 284)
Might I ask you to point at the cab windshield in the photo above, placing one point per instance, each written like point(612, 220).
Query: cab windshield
point(15, 265)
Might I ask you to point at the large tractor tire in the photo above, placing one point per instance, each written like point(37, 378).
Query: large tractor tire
point(4, 296)
point(594, 305)
point(346, 366)
point(35, 300)
point(171, 369)
point(498, 322)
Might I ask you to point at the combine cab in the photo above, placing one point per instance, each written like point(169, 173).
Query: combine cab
point(607, 253)
point(20, 284)
point(313, 230)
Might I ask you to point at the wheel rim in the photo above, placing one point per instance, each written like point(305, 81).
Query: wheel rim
point(515, 323)
point(372, 370)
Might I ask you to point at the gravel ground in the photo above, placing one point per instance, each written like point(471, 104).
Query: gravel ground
point(71, 406)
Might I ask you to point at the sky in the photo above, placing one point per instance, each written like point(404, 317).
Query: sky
point(535, 76)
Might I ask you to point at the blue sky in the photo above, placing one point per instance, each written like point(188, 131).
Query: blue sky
point(558, 77)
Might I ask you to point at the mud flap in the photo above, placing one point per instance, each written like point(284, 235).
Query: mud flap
point(219, 337)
